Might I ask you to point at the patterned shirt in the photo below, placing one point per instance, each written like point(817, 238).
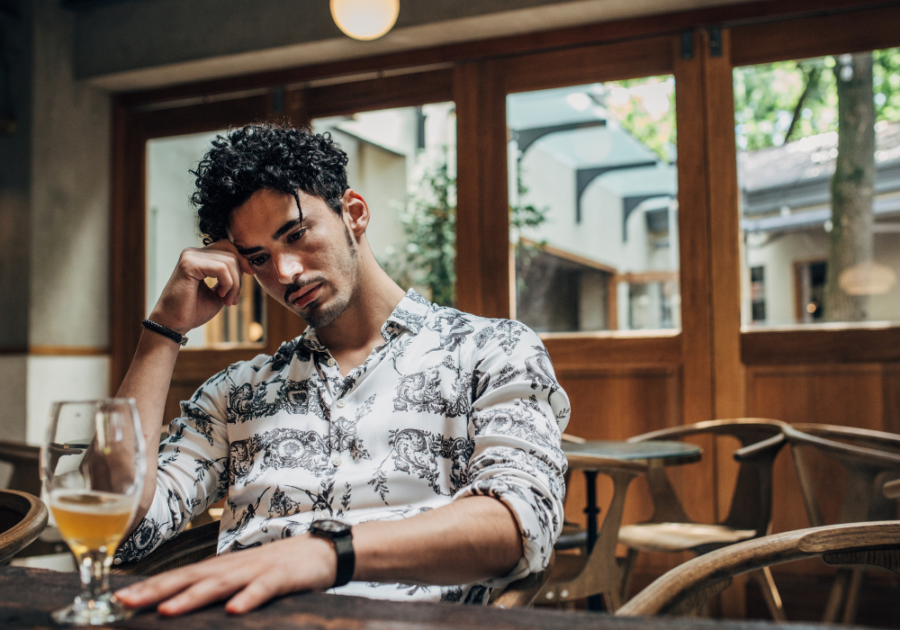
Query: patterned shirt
point(451, 405)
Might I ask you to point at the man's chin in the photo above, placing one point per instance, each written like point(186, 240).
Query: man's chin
point(321, 314)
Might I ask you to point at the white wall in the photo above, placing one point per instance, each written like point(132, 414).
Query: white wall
point(61, 192)
point(61, 378)
point(780, 254)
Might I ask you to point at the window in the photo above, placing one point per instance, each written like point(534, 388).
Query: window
point(172, 227)
point(819, 171)
point(594, 206)
point(403, 163)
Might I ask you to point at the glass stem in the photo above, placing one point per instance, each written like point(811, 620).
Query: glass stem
point(94, 571)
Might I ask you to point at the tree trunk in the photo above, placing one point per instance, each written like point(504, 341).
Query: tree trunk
point(852, 187)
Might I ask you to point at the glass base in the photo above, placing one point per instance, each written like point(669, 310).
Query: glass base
point(99, 611)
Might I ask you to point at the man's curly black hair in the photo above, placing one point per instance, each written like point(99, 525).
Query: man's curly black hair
point(265, 156)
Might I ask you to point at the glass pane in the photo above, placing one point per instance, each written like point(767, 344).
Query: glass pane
point(594, 206)
point(403, 162)
point(172, 227)
point(818, 144)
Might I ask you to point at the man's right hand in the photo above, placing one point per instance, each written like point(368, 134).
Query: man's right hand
point(186, 301)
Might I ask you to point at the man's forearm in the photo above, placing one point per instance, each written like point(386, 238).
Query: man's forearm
point(147, 382)
point(469, 540)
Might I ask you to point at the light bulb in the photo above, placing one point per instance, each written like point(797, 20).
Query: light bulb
point(365, 19)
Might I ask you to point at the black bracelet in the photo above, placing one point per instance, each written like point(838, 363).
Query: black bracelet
point(165, 332)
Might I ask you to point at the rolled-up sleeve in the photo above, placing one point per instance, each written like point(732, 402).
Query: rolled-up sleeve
point(518, 413)
point(191, 472)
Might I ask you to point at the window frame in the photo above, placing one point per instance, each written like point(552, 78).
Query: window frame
point(848, 31)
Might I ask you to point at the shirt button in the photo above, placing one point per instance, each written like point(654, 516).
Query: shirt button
point(117, 561)
point(341, 403)
point(336, 460)
point(331, 362)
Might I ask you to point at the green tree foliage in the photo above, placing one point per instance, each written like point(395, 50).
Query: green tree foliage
point(645, 108)
point(428, 261)
point(800, 97)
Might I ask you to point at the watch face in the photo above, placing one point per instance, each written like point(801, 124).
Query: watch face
point(330, 526)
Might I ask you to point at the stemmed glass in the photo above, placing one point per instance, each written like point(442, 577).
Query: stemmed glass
point(92, 466)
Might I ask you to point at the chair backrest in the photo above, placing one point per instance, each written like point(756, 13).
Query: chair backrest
point(869, 458)
point(22, 518)
point(25, 460)
point(751, 505)
point(686, 588)
point(522, 593)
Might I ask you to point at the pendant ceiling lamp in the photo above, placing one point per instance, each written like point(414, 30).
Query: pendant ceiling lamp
point(365, 19)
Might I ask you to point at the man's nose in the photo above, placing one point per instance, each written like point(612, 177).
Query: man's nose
point(287, 267)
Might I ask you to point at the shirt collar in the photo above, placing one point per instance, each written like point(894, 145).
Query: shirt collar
point(409, 316)
point(310, 341)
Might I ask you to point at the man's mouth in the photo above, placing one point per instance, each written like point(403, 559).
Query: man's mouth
point(304, 295)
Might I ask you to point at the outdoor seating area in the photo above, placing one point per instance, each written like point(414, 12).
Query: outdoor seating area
point(530, 314)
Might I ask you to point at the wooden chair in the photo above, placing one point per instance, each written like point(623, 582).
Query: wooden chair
point(200, 543)
point(22, 518)
point(670, 530)
point(595, 571)
point(869, 458)
point(687, 587)
point(25, 460)
point(522, 593)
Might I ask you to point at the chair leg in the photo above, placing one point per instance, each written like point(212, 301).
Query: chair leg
point(763, 577)
point(612, 602)
point(627, 574)
point(852, 602)
point(837, 595)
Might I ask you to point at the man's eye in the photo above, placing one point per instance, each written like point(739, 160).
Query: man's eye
point(258, 261)
point(293, 237)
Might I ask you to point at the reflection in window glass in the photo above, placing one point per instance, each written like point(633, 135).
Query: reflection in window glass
point(403, 162)
point(593, 203)
point(819, 171)
point(172, 227)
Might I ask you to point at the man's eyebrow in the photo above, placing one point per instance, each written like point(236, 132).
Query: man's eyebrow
point(247, 251)
point(285, 228)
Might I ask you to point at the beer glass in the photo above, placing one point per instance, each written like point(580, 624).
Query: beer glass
point(92, 466)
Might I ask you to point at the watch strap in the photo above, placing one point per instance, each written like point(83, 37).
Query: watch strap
point(346, 559)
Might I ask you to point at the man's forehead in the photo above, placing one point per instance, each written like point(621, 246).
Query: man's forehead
point(272, 211)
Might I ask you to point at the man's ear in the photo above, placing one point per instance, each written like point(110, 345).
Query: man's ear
point(356, 212)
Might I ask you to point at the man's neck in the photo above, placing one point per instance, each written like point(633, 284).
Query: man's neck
point(353, 335)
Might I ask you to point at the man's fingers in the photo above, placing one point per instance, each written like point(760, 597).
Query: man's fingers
point(157, 588)
point(258, 592)
point(210, 589)
point(228, 246)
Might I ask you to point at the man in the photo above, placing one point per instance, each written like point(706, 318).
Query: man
point(433, 433)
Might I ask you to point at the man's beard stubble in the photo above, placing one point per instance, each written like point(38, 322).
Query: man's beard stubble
point(322, 316)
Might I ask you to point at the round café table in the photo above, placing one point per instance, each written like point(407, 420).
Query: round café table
point(593, 455)
point(622, 461)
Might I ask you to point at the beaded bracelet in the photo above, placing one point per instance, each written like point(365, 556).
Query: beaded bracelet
point(165, 332)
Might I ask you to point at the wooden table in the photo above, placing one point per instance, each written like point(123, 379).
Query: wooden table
point(593, 455)
point(27, 596)
point(622, 461)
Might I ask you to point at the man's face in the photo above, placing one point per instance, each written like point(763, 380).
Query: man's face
point(311, 267)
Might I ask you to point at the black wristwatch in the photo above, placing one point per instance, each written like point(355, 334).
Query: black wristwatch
point(341, 535)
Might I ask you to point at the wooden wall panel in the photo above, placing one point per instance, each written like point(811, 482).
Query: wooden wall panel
point(615, 404)
point(860, 395)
